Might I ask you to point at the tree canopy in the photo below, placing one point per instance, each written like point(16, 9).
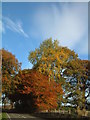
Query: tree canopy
point(10, 67)
point(63, 66)
point(37, 85)
point(50, 58)
point(58, 76)
point(77, 82)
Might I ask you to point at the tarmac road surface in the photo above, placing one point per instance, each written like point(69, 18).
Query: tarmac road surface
point(18, 116)
point(21, 116)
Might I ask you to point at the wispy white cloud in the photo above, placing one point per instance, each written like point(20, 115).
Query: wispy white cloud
point(68, 24)
point(2, 29)
point(14, 26)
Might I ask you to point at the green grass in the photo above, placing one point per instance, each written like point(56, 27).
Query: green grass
point(3, 116)
point(0, 116)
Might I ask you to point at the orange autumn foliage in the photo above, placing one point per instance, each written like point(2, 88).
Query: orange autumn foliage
point(45, 92)
point(9, 67)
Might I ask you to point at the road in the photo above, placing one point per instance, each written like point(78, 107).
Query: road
point(18, 116)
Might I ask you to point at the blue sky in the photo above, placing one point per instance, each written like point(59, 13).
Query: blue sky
point(26, 25)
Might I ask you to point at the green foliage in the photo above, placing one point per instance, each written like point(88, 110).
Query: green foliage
point(77, 76)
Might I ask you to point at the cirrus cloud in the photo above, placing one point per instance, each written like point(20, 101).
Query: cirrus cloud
point(67, 22)
point(14, 26)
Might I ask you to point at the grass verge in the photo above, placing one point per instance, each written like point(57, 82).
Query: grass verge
point(3, 116)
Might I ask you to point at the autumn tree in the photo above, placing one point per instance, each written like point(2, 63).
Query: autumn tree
point(77, 82)
point(10, 67)
point(37, 87)
point(51, 59)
